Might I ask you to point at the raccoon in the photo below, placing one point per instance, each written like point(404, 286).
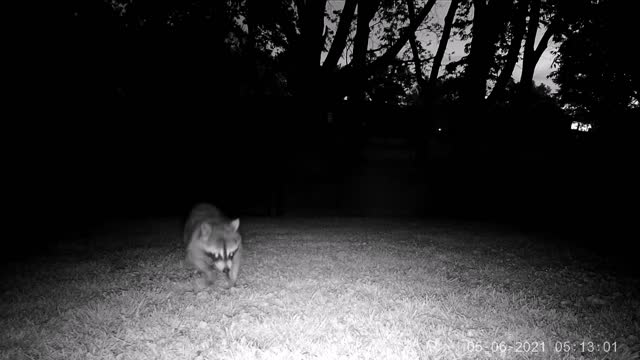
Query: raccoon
point(213, 243)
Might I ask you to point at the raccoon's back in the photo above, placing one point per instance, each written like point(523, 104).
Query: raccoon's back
point(199, 214)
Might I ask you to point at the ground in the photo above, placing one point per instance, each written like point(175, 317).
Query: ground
point(354, 288)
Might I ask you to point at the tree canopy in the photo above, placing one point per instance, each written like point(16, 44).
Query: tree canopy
point(385, 51)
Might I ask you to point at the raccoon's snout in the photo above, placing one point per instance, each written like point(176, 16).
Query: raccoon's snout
point(226, 270)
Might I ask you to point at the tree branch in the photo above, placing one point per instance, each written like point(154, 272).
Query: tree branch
point(340, 40)
point(414, 46)
point(446, 31)
point(406, 34)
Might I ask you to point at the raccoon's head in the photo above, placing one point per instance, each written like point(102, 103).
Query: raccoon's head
point(221, 243)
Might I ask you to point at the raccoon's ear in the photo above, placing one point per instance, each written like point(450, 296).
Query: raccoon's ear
point(205, 230)
point(235, 224)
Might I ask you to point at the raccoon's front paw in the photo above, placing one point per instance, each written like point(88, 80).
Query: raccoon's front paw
point(202, 283)
point(228, 285)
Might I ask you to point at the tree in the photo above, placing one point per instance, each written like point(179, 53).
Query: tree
point(489, 21)
point(532, 53)
point(427, 85)
point(444, 40)
point(596, 72)
point(339, 42)
point(517, 27)
point(396, 33)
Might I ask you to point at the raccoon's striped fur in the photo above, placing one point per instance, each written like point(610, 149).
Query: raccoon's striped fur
point(213, 243)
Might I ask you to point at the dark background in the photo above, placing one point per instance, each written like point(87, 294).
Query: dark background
point(112, 125)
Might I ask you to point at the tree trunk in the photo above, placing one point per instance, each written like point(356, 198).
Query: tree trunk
point(414, 47)
point(308, 50)
point(446, 32)
point(528, 64)
point(488, 21)
point(428, 86)
point(350, 77)
point(477, 69)
point(532, 54)
point(519, 25)
point(311, 34)
point(366, 10)
point(340, 40)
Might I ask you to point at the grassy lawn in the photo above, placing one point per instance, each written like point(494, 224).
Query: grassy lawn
point(325, 288)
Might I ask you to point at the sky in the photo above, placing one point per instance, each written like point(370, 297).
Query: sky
point(455, 49)
point(543, 68)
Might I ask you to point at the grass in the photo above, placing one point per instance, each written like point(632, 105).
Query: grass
point(328, 288)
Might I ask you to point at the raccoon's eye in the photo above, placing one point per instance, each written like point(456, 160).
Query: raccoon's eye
point(231, 255)
point(214, 256)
